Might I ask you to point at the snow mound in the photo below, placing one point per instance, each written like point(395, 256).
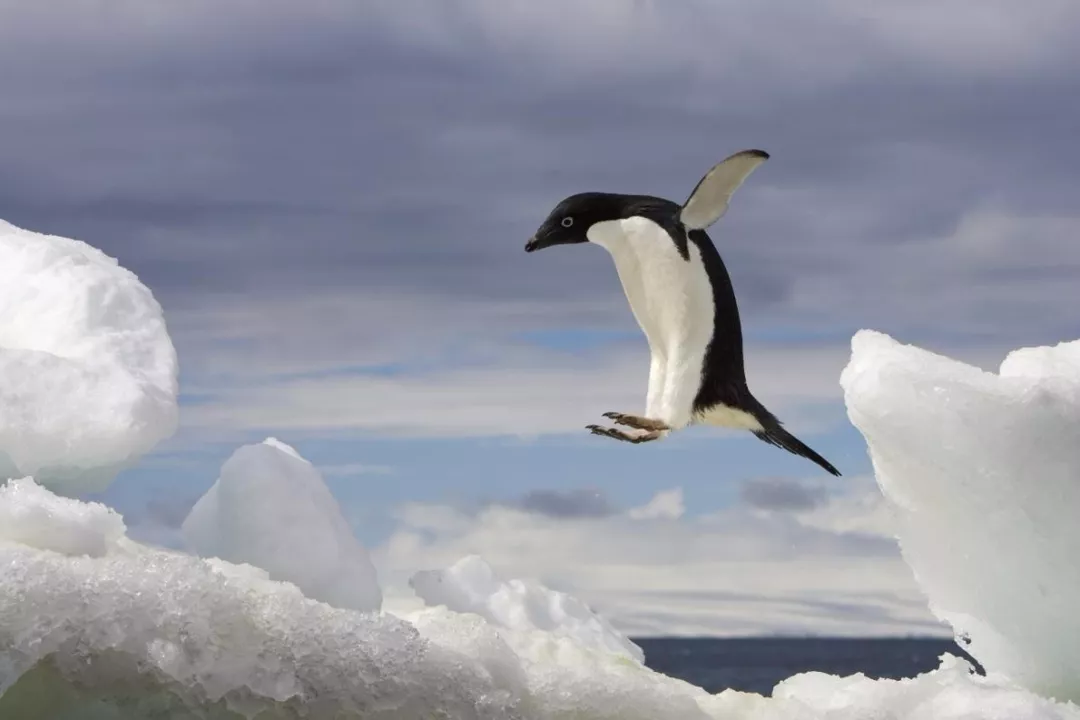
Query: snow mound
point(984, 470)
point(471, 586)
point(270, 508)
point(88, 374)
point(951, 692)
point(31, 515)
point(188, 635)
point(142, 632)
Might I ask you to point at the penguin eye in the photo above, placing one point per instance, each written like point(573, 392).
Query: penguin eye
point(567, 221)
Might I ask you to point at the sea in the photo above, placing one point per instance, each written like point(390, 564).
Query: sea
point(757, 664)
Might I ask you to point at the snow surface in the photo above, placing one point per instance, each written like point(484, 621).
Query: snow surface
point(88, 374)
point(471, 586)
point(984, 470)
point(151, 632)
point(31, 515)
point(270, 508)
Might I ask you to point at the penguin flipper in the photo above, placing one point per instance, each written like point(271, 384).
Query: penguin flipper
point(709, 200)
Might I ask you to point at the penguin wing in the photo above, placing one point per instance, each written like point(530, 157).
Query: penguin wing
point(710, 198)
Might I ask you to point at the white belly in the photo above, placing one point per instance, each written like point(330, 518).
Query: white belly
point(671, 298)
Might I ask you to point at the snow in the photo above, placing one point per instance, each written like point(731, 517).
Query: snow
point(270, 508)
point(31, 515)
point(89, 372)
point(984, 472)
point(471, 586)
point(140, 629)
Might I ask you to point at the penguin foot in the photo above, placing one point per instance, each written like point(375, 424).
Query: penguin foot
point(622, 435)
point(636, 421)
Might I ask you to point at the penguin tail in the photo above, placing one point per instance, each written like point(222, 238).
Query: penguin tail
point(781, 438)
point(772, 431)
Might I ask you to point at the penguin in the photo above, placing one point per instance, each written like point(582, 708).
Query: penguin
point(681, 295)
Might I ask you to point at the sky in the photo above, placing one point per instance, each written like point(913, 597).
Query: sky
point(330, 200)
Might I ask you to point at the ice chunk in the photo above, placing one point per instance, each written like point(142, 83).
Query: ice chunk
point(270, 508)
point(31, 515)
point(146, 629)
point(984, 470)
point(558, 677)
point(471, 586)
point(140, 632)
point(88, 374)
point(951, 692)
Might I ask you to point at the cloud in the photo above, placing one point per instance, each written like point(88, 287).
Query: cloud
point(654, 570)
point(521, 393)
point(832, 40)
point(666, 504)
point(318, 190)
point(783, 494)
point(576, 503)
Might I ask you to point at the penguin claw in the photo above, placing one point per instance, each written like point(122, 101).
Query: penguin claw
point(617, 434)
point(637, 422)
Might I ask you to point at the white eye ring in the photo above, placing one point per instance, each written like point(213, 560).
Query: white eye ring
point(567, 221)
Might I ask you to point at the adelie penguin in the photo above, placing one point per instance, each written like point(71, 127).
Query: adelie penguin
point(681, 295)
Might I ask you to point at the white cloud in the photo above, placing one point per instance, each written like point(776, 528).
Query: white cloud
point(457, 370)
point(653, 570)
point(666, 504)
point(326, 331)
point(519, 392)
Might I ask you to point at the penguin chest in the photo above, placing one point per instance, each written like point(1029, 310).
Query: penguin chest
point(670, 296)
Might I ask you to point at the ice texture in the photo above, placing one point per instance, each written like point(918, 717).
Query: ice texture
point(31, 515)
point(271, 509)
point(204, 633)
point(984, 471)
point(88, 374)
point(471, 586)
point(144, 632)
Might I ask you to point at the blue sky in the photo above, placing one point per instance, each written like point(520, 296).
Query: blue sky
point(331, 200)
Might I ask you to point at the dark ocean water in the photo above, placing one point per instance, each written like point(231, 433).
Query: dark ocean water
point(758, 664)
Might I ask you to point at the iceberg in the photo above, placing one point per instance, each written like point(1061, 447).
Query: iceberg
point(89, 371)
point(155, 631)
point(983, 470)
point(271, 509)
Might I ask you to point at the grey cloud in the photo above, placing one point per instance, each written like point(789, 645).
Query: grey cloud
point(777, 493)
point(277, 154)
point(577, 503)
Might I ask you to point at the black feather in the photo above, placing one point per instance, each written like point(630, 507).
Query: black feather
point(773, 432)
point(723, 380)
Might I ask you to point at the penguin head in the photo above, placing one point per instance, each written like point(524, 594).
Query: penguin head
point(569, 222)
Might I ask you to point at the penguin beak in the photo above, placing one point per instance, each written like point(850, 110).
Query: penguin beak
point(538, 242)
